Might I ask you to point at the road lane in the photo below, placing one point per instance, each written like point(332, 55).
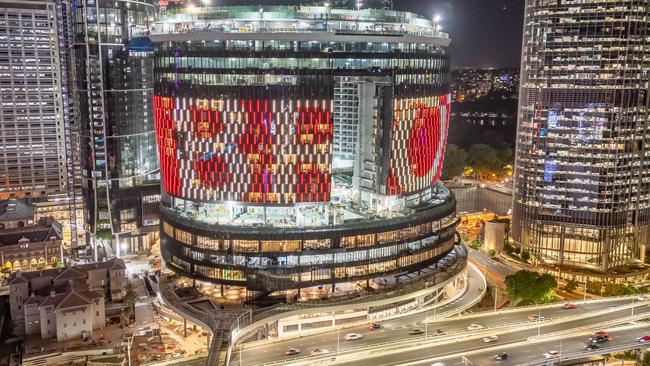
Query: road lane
point(275, 352)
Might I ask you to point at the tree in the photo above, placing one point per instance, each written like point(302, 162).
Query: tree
point(484, 160)
point(571, 285)
point(594, 287)
point(454, 163)
point(492, 253)
point(129, 300)
point(57, 264)
point(530, 287)
point(525, 256)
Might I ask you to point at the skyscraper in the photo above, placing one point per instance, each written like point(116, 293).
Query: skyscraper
point(582, 185)
point(252, 108)
point(33, 99)
point(113, 102)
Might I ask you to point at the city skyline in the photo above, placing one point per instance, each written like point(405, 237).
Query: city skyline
point(341, 182)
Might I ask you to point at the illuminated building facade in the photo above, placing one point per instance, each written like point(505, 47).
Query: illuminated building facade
point(582, 192)
point(113, 104)
point(301, 146)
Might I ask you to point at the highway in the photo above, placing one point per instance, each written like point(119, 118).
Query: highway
point(274, 350)
point(495, 269)
point(454, 326)
point(532, 352)
point(525, 352)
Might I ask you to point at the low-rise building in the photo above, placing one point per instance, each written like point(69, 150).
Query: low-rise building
point(33, 247)
point(65, 303)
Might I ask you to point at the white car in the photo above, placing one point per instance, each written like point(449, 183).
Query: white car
point(438, 364)
point(474, 327)
point(551, 354)
point(641, 298)
point(353, 336)
point(319, 351)
point(490, 339)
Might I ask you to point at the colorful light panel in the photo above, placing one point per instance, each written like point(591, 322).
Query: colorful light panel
point(261, 151)
point(418, 145)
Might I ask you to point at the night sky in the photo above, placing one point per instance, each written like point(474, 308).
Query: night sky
point(485, 33)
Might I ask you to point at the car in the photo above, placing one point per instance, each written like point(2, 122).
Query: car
point(353, 336)
point(292, 352)
point(600, 337)
point(551, 354)
point(501, 356)
point(374, 326)
point(642, 298)
point(438, 364)
point(438, 332)
point(416, 331)
point(319, 351)
point(535, 317)
point(490, 339)
point(644, 339)
point(474, 327)
point(592, 346)
point(569, 306)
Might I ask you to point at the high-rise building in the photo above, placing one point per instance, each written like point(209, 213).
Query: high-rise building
point(38, 133)
point(113, 103)
point(582, 177)
point(255, 108)
point(33, 99)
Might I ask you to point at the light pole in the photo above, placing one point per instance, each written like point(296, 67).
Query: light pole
point(338, 342)
point(632, 315)
point(359, 4)
point(584, 292)
point(539, 320)
point(240, 359)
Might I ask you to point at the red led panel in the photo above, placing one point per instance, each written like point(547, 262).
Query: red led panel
point(166, 141)
point(258, 151)
point(419, 133)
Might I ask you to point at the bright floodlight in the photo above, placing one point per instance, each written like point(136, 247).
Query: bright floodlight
point(437, 18)
point(206, 2)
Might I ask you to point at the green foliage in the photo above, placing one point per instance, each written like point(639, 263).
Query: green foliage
point(530, 287)
point(594, 287)
point(571, 285)
point(492, 253)
point(475, 244)
point(509, 249)
point(454, 163)
point(129, 299)
point(615, 289)
point(646, 359)
point(484, 160)
point(104, 234)
point(57, 264)
point(525, 256)
point(631, 355)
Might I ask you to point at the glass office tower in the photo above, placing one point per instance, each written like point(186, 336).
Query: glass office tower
point(582, 179)
point(113, 103)
point(33, 99)
point(301, 146)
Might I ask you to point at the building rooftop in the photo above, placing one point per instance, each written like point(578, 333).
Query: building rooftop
point(14, 210)
point(295, 19)
point(69, 273)
point(41, 232)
